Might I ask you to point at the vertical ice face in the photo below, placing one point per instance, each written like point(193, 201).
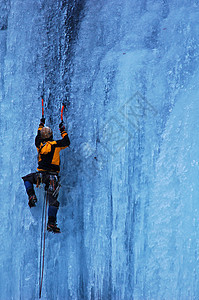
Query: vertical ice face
point(21, 72)
point(129, 208)
point(135, 71)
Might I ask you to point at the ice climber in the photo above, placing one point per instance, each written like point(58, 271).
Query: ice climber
point(48, 170)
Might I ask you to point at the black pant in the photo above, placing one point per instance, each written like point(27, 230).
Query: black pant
point(51, 181)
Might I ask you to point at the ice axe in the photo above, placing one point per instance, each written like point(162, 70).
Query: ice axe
point(61, 125)
point(42, 107)
point(42, 102)
point(62, 110)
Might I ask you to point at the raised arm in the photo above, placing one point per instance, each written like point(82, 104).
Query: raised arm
point(38, 137)
point(64, 142)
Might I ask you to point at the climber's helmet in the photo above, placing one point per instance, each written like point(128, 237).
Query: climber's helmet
point(46, 133)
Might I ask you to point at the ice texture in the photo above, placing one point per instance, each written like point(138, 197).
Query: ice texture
point(128, 72)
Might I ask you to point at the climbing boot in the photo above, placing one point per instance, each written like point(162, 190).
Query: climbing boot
point(52, 227)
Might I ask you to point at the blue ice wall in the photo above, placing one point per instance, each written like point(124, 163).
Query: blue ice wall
point(128, 72)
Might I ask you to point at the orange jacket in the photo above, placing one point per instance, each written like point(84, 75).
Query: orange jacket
point(48, 151)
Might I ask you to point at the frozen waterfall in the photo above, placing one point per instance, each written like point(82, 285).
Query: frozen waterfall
point(129, 203)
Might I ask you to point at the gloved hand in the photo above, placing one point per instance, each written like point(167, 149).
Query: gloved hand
point(61, 126)
point(43, 120)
